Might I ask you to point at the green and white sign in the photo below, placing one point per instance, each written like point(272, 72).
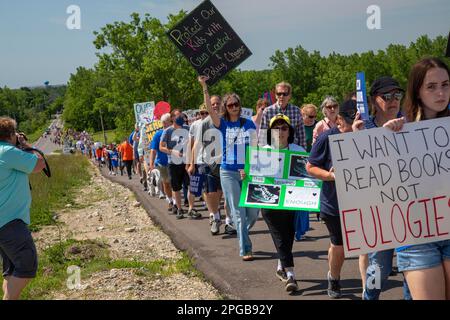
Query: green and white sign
point(277, 179)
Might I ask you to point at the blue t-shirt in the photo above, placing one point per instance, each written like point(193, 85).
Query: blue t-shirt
point(235, 139)
point(320, 156)
point(161, 157)
point(15, 195)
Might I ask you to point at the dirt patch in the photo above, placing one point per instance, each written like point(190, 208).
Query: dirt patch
point(106, 217)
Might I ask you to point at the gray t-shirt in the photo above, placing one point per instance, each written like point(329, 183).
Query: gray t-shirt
point(176, 139)
point(211, 141)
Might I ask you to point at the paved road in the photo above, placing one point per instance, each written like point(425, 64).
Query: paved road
point(217, 257)
point(44, 144)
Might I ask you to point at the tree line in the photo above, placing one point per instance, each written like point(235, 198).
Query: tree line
point(32, 108)
point(137, 63)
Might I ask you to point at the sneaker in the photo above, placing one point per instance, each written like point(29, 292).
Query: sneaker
point(174, 209)
point(170, 208)
point(229, 229)
point(248, 256)
point(211, 219)
point(180, 214)
point(129, 177)
point(261, 194)
point(193, 214)
point(215, 227)
point(186, 203)
point(161, 196)
point(334, 288)
point(291, 285)
point(281, 274)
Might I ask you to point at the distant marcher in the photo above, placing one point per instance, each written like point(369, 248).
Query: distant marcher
point(330, 108)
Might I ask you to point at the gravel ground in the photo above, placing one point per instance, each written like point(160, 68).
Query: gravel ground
point(110, 213)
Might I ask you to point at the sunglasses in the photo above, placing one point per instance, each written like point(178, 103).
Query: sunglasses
point(312, 117)
point(233, 105)
point(284, 94)
point(334, 106)
point(391, 96)
point(282, 128)
point(203, 113)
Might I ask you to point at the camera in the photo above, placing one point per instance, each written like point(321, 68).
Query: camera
point(20, 134)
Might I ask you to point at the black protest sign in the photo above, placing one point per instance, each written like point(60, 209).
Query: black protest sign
point(208, 42)
point(447, 54)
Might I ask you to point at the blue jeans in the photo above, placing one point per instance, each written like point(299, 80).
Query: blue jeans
point(243, 218)
point(382, 261)
point(301, 223)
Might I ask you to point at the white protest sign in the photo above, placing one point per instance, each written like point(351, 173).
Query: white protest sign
point(393, 188)
point(144, 112)
point(247, 113)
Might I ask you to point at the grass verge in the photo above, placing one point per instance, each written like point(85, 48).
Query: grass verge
point(92, 256)
point(69, 172)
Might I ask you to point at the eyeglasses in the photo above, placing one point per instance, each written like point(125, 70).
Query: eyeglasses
point(391, 96)
point(233, 105)
point(203, 113)
point(312, 117)
point(282, 128)
point(334, 106)
point(284, 94)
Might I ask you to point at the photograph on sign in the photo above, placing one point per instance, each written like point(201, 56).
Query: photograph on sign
point(211, 46)
point(263, 194)
point(265, 163)
point(297, 167)
point(306, 198)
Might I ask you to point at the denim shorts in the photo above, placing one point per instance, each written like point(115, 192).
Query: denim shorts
point(423, 256)
point(17, 250)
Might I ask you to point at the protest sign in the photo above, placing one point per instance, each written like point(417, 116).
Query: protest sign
point(393, 188)
point(196, 184)
point(277, 179)
point(447, 53)
point(361, 96)
point(208, 42)
point(247, 113)
point(152, 127)
point(144, 112)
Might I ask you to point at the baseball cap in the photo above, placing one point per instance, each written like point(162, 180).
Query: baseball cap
point(278, 117)
point(348, 110)
point(384, 85)
point(203, 107)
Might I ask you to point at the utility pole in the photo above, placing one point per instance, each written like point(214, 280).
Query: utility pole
point(103, 127)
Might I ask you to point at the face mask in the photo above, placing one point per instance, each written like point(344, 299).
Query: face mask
point(179, 121)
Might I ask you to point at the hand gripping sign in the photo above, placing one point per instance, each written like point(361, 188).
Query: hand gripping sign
point(393, 188)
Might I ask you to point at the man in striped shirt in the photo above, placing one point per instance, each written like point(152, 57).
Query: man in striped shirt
point(283, 92)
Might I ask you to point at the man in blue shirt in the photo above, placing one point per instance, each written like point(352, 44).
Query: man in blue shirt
point(17, 248)
point(320, 166)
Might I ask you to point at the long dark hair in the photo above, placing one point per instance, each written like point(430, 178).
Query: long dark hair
point(413, 106)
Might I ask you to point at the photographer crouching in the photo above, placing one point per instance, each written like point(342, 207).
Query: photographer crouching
point(17, 248)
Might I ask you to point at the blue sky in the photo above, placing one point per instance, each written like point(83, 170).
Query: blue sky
point(36, 46)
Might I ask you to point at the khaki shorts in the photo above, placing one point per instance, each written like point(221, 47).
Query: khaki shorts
point(164, 171)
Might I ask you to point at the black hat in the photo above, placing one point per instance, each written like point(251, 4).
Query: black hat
point(348, 110)
point(384, 85)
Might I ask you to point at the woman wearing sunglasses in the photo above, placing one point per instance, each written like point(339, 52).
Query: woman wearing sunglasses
point(237, 134)
point(281, 223)
point(385, 97)
point(330, 109)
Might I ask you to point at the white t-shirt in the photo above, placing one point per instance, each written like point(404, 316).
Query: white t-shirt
point(292, 147)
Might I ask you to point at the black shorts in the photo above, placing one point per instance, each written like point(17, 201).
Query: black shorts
point(212, 182)
point(17, 250)
point(333, 224)
point(178, 174)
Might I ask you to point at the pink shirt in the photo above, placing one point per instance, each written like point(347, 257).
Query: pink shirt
point(322, 126)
